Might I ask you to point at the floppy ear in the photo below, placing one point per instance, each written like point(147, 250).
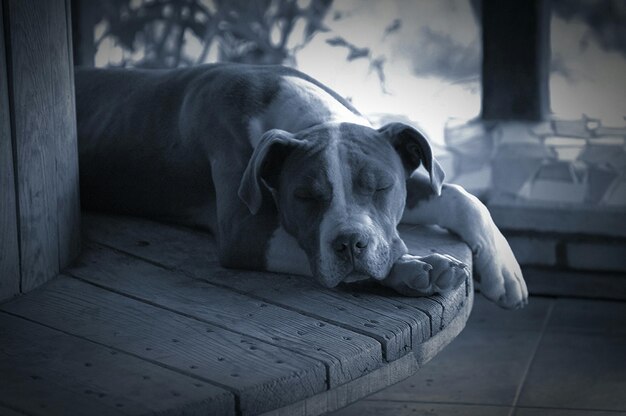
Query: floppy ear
point(414, 149)
point(264, 166)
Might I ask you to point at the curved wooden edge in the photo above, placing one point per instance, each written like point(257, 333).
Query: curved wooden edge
point(427, 350)
point(391, 373)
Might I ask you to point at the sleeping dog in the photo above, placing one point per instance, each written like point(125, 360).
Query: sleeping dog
point(288, 176)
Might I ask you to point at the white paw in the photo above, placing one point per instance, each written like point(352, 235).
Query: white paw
point(499, 274)
point(420, 276)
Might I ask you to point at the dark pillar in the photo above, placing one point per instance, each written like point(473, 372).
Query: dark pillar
point(85, 16)
point(516, 59)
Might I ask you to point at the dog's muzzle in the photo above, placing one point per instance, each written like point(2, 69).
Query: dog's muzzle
point(351, 246)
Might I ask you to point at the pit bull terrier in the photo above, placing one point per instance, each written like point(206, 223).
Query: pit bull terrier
point(288, 176)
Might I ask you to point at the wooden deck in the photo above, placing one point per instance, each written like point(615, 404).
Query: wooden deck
point(146, 322)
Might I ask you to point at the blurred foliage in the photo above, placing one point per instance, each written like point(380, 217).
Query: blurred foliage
point(154, 32)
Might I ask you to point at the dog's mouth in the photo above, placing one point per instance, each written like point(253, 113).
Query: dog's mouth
point(349, 275)
point(356, 276)
point(330, 269)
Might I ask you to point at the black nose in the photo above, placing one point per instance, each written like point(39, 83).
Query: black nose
point(349, 246)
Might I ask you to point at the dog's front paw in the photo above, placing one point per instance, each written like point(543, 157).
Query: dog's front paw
point(422, 276)
point(499, 274)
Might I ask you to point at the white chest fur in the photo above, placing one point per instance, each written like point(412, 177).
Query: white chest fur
point(284, 255)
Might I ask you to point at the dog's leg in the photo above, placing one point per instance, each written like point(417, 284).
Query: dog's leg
point(497, 269)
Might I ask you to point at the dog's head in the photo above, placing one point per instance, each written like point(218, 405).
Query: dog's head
point(340, 191)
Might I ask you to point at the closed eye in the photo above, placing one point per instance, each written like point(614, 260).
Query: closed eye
point(384, 186)
point(370, 182)
point(305, 194)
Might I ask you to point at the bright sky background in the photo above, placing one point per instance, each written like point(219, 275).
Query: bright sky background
point(596, 87)
point(430, 100)
point(598, 83)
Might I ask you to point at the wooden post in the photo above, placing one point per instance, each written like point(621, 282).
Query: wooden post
point(9, 254)
point(40, 96)
point(516, 59)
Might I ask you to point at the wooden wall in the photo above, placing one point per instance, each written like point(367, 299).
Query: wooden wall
point(9, 255)
point(39, 211)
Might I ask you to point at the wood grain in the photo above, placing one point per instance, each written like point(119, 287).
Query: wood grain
point(296, 293)
point(46, 372)
point(68, 200)
point(427, 350)
point(43, 122)
point(166, 241)
point(262, 376)
point(31, 55)
point(9, 252)
point(426, 240)
point(331, 400)
point(346, 354)
point(397, 322)
point(392, 373)
point(254, 335)
point(45, 137)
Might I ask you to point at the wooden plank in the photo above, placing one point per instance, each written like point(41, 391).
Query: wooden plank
point(331, 400)
point(451, 303)
point(346, 354)
point(165, 244)
point(9, 252)
point(371, 313)
point(385, 301)
point(68, 201)
point(424, 315)
point(392, 373)
point(306, 296)
point(46, 372)
point(293, 292)
point(31, 55)
point(263, 376)
point(427, 350)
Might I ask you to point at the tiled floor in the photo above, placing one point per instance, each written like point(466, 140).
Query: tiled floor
point(562, 357)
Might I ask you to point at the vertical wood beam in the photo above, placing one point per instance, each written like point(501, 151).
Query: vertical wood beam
point(43, 123)
point(9, 253)
point(68, 199)
point(516, 59)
